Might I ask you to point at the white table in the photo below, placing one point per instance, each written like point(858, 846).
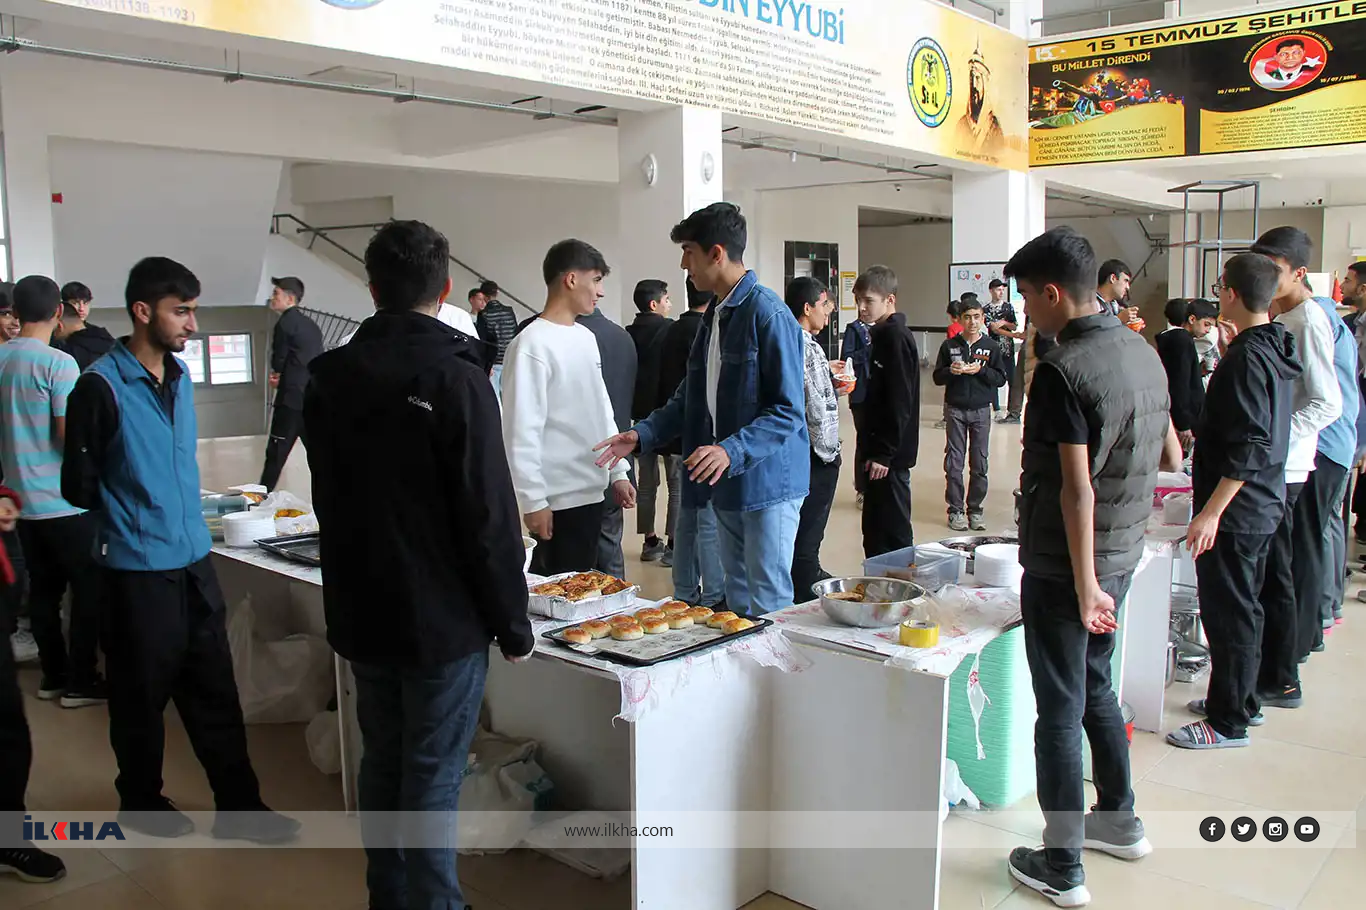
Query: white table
point(1145, 624)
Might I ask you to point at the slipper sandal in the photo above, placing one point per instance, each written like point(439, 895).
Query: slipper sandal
point(1197, 708)
point(1200, 735)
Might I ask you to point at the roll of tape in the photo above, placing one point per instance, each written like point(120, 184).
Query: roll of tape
point(917, 633)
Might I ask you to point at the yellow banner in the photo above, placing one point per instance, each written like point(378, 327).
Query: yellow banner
point(910, 74)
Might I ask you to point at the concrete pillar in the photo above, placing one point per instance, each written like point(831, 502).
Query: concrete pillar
point(1344, 237)
point(994, 214)
point(681, 148)
point(28, 181)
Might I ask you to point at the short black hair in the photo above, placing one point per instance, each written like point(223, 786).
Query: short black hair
point(1176, 310)
point(971, 303)
point(1060, 257)
point(876, 279)
point(1359, 268)
point(1112, 267)
point(290, 285)
point(719, 224)
point(1288, 243)
point(1289, 42)
point(69, 311)
point(649, 291)
point(968, 295)
point(803, 291)
point(473, 291)
point(489, 289)
point(155, 278)
point(572, 256)
point(408, 264)
point(75, 292)
point(36, 299)
point(1202, 309)
point(696, 299)
point(953, 308)
point(1254, 278)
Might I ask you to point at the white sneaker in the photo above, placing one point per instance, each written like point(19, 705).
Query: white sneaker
point(25, 647)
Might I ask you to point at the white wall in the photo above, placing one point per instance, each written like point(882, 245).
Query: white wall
point(1344, 236)
point(124, 202)
point(920, 255)
point(327, 287)
point(1238, 226)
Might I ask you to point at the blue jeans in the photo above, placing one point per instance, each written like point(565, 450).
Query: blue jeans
point(497, 378)
point(756, 552)
point(698, 576)
point(416, 725)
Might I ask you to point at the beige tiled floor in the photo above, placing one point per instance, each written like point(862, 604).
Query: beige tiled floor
point(1313, 758)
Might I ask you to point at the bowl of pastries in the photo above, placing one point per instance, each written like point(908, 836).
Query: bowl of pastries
point(869, 603)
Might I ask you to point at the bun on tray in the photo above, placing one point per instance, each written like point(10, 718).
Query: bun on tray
point(649, 613)
point(675, 607)
point(679, 621)
point(718, 620)
point(739, 624)
point(622, 619)
point(699, 615)
point(577, 635)
point(655, 625)
point(597, 628)
point(628, 632)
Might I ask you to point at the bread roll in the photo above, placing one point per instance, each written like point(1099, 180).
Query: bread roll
point(739, 624)
point(655, 625)
point(675, 607)
point(597, 628)
point(625, 619)
point(679, 621)
point(699, 615)
point(577, 635)
point(718, 620)
point(628, 633)
point(649, 613)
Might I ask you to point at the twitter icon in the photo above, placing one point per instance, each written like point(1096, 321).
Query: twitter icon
point(1243, 829)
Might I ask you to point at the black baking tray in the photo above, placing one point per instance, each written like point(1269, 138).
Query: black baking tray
point(303, 548)
point(759, 625)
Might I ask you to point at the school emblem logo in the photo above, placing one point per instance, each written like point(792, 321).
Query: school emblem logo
point(929, 82)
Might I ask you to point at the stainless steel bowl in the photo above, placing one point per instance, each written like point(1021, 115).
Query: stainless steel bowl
point(887, 601)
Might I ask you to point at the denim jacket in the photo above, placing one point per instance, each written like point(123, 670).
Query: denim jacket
point(761, 405)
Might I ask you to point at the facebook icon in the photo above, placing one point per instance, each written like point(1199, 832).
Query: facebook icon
point(1212, 829)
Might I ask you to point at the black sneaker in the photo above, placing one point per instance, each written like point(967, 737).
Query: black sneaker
point(161, 819)
point(1010, 418)
point(96, 693)
point(51, 689)
point(1065, 888)
point(1290, 697)
point(260, 826)
point(30, 864)
point(1123, 839)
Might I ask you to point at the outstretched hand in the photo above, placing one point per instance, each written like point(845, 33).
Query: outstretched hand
point(616, 448)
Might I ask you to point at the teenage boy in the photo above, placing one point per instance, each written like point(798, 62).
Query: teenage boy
point(649, 330)
point(1239, 477)
point(1001, 325)
point(1112, 288)
point(698, 576)
point(855, 350)
point(36, 381)
point(1095, 434)
point(1354, 295)
point(1295, 566)
point(497, 323)
point(972, 371)
point(414, 613)
point(83, 341)
point(893, 415)
point(130, 459)
point(809, 301)
point(295, 342)
point(741, 413)
point(1187, 320)
point(555, 407)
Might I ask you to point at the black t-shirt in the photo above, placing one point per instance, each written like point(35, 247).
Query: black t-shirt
point(1054, 416)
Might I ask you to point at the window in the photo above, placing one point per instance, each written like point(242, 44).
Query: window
point(219, 359)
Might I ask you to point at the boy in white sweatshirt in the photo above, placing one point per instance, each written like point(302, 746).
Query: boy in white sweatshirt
point(555, 408)
point(1316, 403)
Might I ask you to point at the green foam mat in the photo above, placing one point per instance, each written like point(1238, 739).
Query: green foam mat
point(1006, 774)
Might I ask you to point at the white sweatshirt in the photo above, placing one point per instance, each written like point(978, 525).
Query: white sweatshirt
point(457, 319)
point(1316, 400)
point(555, 409)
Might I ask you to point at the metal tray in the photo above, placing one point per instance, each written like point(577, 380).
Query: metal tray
point(655, 649)
point(577, 611)
point(302, 548)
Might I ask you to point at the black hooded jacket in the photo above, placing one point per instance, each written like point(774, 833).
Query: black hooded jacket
point(1244, 431)
point(421, 536)
point(88, 345)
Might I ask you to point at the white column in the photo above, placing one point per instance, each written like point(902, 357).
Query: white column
point(1344, 237)
point(994, 214)
point(28, 182)
point(683, 148)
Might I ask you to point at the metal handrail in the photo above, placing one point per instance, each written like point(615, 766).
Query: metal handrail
point(374, 226)
point(305, 228)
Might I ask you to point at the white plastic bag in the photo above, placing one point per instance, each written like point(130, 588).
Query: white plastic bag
point(278, 682)
point(499, 794)
point(324, 742)
point(285, 527)
point(596, 860)
point(955, 791)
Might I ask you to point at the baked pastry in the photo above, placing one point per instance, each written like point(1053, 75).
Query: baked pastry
point(855, 595)
point(718, 620)
point(577, 635)
point(622, 619)
point(628, 633)
point(649, 613)
point(654, 626)
point(699, 615)
point(678, 620)
point(549, 589)
point(615, 586)
point(739, 624)
point(597, 628)
point(675, 606)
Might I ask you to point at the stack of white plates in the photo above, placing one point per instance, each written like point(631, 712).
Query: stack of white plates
point(997, 565)
point(243, 529)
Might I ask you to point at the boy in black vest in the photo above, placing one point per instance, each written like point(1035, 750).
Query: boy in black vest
point(1240, 499)
point(971, 368)
point(1096, 431)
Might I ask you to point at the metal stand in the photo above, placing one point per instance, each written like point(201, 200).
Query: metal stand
point(1220, 246)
